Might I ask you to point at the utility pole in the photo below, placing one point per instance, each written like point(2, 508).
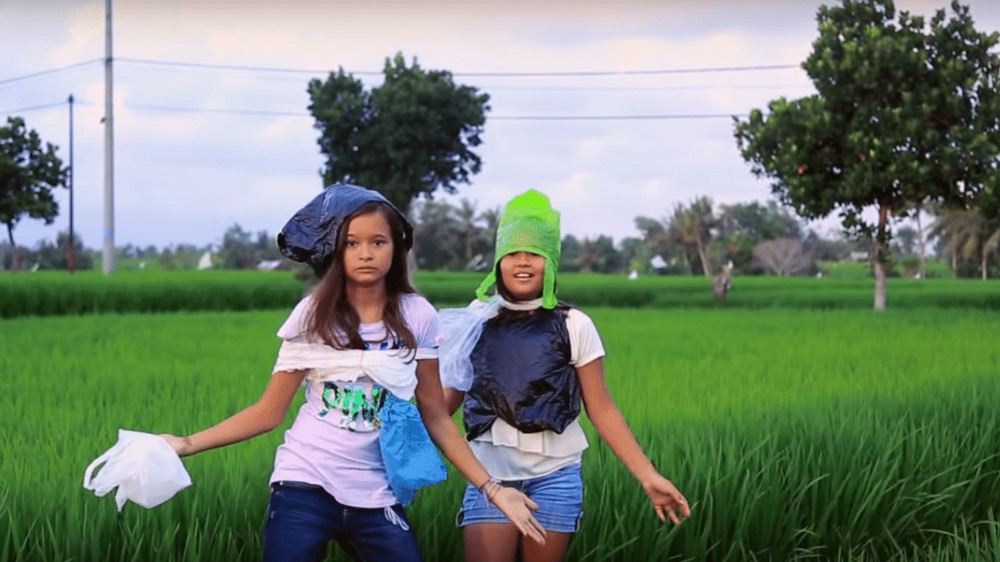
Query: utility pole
point(109, 149)
point(71, 252)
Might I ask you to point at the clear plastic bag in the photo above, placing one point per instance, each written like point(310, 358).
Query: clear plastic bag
point(144, 467)
point(462, 328)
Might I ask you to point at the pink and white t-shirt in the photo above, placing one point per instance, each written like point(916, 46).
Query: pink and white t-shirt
point(333, 442)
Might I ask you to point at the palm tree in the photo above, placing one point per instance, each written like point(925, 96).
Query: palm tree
point(968, 233)
point(466, 215)
point(692, 226)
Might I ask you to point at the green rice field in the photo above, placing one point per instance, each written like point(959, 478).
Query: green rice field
point(58, 293)
point(796, 432)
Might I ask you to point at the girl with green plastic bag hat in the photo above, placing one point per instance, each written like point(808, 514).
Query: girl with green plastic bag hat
point(522, 364)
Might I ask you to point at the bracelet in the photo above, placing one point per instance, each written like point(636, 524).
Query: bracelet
point(489, 488)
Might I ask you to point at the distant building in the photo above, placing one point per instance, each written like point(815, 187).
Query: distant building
point(859, 256)
point(268, 265)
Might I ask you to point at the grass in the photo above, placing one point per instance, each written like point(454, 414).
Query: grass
point(54, 293)
point(796, 434)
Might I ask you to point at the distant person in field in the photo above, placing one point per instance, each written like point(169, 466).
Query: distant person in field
point(520, 363)
point(361, 338)
point(721, 283)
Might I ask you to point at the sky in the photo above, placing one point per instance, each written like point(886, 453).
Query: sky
point(198, 148)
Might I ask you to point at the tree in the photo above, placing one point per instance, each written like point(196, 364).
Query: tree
point(744, 225)
point(663, 243)
point(972, 233)
point(906, 240)
point(633, 253)
point(238, 250)
point(28, 174)
point(599, 255)
point(485, 243)
point(905, 113)
point(466, 215)
point(572, 254)
point(56, 256)
point(182, 256)
point(691, 227)
point(783, 256)
point(438, 232)
point(410, 136)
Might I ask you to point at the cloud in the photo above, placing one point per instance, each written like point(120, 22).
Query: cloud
point(86, 36)
point(255, 167)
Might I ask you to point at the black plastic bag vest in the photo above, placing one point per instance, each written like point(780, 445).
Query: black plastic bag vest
point(523, 374)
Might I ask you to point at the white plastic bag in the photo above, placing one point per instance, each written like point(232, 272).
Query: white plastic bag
point(462, 328)
point(143, 466)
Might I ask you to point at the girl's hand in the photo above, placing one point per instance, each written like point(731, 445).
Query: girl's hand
point(182, 445)
point(518, 507)
point(666, 499)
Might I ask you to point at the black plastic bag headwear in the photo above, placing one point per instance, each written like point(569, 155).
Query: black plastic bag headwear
point(310, 236)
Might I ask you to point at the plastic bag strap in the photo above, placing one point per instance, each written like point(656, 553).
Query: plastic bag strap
point(88, 474)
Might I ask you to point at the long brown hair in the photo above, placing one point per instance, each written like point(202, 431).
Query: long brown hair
point(332, 318)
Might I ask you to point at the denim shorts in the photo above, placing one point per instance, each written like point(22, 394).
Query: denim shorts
point(559, 496)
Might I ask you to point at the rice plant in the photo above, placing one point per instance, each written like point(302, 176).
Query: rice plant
point(796, 434)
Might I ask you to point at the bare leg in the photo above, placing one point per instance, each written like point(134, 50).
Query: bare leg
point(490, 542)
point(554, 549)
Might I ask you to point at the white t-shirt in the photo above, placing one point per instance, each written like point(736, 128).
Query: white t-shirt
point(332, 442)
point(509, 454)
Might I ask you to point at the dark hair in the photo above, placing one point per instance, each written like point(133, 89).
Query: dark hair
point(332, 318)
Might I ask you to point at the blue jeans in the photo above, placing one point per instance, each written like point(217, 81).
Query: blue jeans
point(303, 518)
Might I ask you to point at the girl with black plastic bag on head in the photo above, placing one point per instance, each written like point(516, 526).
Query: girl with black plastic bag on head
point(523, 362)
point(363, 343)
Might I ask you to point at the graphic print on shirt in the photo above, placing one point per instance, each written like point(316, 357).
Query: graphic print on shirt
point(358, 410)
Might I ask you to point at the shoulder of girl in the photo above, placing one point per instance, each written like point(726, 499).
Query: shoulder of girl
point(416, 302)
point(578, 315)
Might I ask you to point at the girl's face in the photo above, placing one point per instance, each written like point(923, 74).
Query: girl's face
point(523, 274)
point(368, 249)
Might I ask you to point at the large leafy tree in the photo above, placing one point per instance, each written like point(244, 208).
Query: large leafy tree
point(28, 174)
point(906, 112)
point(412, 135)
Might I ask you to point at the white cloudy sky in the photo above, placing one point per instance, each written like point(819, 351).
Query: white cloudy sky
point(187, 166)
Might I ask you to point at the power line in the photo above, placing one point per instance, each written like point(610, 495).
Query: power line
point(247, 68)
point(50, 71)
point(219, 110)
point(493, 117)
point(34, 108)
point(648, 88)
point(580, 73)
point(669, 116)
point(587, 73)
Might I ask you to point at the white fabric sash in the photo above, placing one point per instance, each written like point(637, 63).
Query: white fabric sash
point(549, 443)
point(389, 368)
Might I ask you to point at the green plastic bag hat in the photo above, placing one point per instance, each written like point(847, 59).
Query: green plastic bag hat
point(528, 224)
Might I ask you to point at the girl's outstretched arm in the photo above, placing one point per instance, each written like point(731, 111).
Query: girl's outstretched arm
point(443, 431)
point(611, 426)
point(261, 417)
